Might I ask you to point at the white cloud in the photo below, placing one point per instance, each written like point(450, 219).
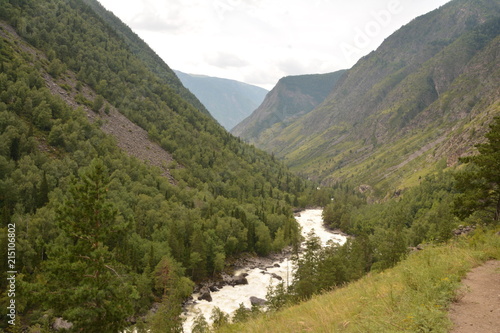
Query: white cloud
point(260, 41)
point(225, 60)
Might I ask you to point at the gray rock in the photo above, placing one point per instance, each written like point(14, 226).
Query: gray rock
point(205, 294)
point(276, 276)
point(257, 301)
point(61, 324)
point(239, 280)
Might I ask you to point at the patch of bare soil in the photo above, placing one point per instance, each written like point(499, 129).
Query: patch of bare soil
point(478, 311)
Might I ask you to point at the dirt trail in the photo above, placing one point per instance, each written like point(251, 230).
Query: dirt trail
point(479, 310)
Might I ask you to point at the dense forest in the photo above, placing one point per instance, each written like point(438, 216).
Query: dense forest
point(100, 235)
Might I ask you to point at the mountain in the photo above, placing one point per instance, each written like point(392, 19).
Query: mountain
point(228, 101)
point(426, 94)
point(149, 57)
point(292, 97)
point(119, 187)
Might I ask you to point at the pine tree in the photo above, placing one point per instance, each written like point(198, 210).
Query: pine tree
point(86, 285)
point(479, 184)
point(305, 281)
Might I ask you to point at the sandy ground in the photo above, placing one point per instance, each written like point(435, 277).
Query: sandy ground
point(478, 311)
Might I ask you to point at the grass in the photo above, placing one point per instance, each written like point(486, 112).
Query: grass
point(411, 297)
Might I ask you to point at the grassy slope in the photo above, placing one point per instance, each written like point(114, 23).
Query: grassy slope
point(432, 136)
point(411, 297)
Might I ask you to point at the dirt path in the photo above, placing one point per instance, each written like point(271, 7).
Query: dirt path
point(479, 310)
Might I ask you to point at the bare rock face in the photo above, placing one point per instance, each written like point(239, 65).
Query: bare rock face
point(61, 324)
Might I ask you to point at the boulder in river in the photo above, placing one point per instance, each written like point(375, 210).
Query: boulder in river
point(257, 301)
point(205, 294)
point(240, 279)
point(276, 276)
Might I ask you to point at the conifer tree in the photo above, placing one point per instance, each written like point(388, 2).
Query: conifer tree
point(479, 184)
point(85, 284)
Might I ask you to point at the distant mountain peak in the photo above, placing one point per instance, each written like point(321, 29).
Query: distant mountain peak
point(292, 97)
point(229, 101)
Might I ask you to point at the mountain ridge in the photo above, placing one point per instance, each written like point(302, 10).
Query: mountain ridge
point(389, 104)
point(292, 97)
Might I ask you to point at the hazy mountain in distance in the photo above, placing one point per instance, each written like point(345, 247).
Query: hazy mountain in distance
point(228, 101)
point(292, 97)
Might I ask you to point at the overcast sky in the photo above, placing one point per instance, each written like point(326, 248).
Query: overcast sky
point(260, 41)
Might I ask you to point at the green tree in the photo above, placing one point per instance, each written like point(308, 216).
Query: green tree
point(479, 183)
point(305, 282)
point(200, 325)
point(85, 284)
point(174, 287)
point(241, 314)
point(98, 103)
point(219, 318)
point(277, 296)
point(264, 241)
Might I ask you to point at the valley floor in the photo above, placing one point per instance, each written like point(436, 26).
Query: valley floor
point(479, 308)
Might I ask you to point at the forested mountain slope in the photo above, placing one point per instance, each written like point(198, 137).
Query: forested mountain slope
point(292, 97)
point(228, 101)
point(100, 233)
point(146, 54)
point(426, 94)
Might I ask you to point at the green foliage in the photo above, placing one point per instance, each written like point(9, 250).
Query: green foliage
point(382, 232)
point(98, 103)
point(167, 318)
point(479, 183)
point(219, 318)
point(242, 313)
point(200, 325)
point(277, 297)
point(320, 269)
point(88, 286)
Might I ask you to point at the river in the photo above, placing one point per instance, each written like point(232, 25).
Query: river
point(228, 298)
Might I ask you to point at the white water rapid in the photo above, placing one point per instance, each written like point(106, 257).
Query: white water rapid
point(229, 298)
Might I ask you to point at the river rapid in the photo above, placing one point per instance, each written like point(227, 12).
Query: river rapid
point(228, 298)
